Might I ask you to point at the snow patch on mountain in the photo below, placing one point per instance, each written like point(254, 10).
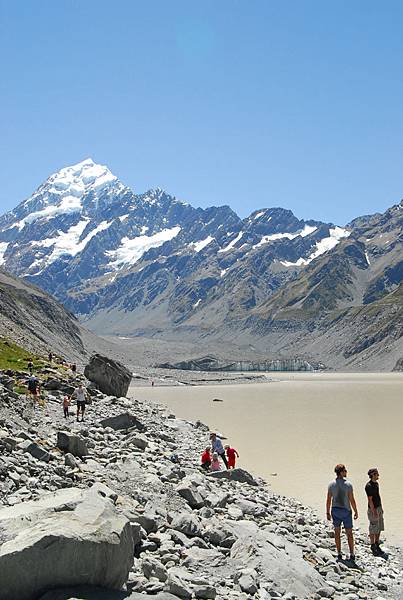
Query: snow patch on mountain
point(307, 230)
point(68, 242)
point(198, 246)
point(69, 204)
point(232, 244)
point(131, 250)
point(324, 245)
point(3, 248)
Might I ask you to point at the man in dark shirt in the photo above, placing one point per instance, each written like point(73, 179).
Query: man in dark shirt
point(375, 511)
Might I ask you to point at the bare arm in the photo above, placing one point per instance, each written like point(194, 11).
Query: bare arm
point(353, 504)
point(328, 502)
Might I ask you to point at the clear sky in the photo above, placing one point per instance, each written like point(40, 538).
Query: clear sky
point(251, 103)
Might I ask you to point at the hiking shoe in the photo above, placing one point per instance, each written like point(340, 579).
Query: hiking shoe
point(340, 557)
point(374, 550)
point(352, 558)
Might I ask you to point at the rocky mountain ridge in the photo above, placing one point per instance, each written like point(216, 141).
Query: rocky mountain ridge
point(147, 264)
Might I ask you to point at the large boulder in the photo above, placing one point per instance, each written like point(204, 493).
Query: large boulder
point(110, 376)
point(71, 537)
point(234, 475)
point(122, 421)
point(35, 450)
point(72, 443)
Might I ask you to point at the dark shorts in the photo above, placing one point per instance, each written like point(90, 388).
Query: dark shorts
point(342, 515)
point(80, 405)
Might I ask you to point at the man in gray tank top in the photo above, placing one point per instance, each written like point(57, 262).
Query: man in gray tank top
point(340, 497)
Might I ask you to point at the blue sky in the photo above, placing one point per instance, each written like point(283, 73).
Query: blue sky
point(247, 103)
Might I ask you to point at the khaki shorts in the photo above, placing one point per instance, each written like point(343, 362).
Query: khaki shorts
point(376, 525)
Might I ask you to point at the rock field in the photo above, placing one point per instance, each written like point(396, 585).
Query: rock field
point(117, 507)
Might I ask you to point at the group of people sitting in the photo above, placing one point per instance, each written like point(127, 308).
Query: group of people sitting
point(216, 454)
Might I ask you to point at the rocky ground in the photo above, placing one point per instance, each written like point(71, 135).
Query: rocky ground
point(119, 501)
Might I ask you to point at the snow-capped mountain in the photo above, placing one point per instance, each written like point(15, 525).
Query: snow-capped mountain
point(83, 223)
point(130, 263)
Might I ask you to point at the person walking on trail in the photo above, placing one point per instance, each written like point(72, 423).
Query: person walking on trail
point(30, 366)
point(50, 357)
point(375, 512)
point(66, 405)
point(81, 396)
point(231, 453)
point(340, 498)
point(34, 388)
point(206, 459)
point(216, 445)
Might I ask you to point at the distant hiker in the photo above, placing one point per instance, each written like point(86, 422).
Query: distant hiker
point(50, 356)
point(34, 387)
point(231, 453)
point(152, 383)
point(215, 463)
point(73, 368)
point(375, 512)
point(66, 404)
point(206, 459)
point(216, 445)
point(340, 496)
point(81, 396)
point(30, 366)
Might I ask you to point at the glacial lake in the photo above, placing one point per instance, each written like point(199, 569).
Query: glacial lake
point(299, 425)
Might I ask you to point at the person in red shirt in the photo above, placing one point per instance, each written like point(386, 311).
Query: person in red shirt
point(206, 459)
point(231, 453)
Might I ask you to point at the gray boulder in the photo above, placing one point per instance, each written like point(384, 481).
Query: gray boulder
point(188, 524)
point(191, 494)
point(122, 421)
point(74, 444)
point(234, 475)
point(175, 585)
point(269, 553)
point(70, 537)
point(35, 450)
point(110, 376)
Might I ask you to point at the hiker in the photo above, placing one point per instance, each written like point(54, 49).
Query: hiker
point(34, 387)
point(30, 366)
point(216, 446)
point(231, 453)
point(50, 356)
point(73, 368)
point(81, 396)
point(341, 497)
point(206, 459)
point(66, 404)
point(215, 463)
point(375, 512)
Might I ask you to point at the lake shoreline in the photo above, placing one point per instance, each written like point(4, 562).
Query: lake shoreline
point(219, 416)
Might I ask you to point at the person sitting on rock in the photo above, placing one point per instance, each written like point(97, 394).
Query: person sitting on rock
point(206, 459)
point(231, 453)
point(81, 396)
point(216, 445)
point(215, 463)
point(66, 404)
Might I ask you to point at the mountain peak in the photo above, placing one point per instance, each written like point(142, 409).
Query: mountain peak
point(80, 178)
